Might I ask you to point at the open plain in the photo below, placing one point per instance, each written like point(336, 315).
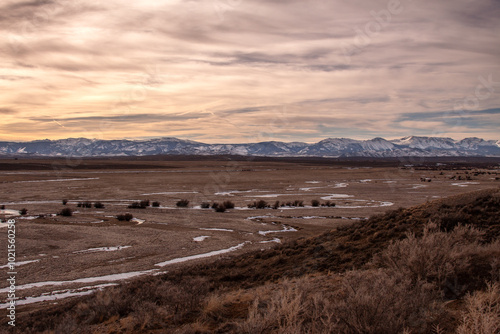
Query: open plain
point(62, 256)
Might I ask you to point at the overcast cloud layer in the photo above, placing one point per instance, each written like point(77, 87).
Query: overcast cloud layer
point(249, 70)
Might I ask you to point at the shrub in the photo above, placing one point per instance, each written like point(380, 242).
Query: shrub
point(205, 205)
point(2, 207)
point(144, 203)
point(79, 204)
point(482, 313)
point(259, 205)
point(155, 204)
point(98, 205)
point(220, 208)
point(439, 257)
point(276, 205)
point(315, 202)
point(66, 212)
point(298, 203)
point(23, 211)
point(64, 201)
point(124, 217)
point(182, 203)
point(87, 205)
point(215, 205)
point(228, 204)
point(380, 301)
point(136, 205)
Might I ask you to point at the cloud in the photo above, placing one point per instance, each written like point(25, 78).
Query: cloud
point(286, 70)
point(7, 111)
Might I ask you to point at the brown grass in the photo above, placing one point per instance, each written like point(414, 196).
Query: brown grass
point(332, 283)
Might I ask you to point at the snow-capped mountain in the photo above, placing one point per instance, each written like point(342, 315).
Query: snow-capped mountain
point(331, 147)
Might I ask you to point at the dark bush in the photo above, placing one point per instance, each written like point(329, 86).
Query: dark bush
point(155, 204)
point(136, 205)
point(298, 203)
point(64, 201)
point(259, 205)
point(228, 204)
point(79, 204)
point(144, 203)
point(315, 202)
point(276, 205)
point(66, 212)
point(182, 203)
point(98, 205)
point(215, 205)
point(23, 211)
point(2, 207)
point(124, 217)
point(87, 205)
point(205, 205)
point(220, 208)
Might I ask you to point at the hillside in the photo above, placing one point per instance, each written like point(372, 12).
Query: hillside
point(407, 269)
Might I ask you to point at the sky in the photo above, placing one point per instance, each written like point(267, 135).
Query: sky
point(239, 71)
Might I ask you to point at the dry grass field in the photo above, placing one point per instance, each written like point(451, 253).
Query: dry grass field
point(64, 256)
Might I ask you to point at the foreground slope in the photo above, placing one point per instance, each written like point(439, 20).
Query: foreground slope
point(389, 267)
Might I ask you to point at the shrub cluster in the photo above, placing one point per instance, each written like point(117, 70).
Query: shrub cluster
point(98, 205)
point(66, 212)
point(220, 207)
point(139, 205)
point(183, 203)
point(124, 217)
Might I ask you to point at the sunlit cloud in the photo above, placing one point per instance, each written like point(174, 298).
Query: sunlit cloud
point(244, 71)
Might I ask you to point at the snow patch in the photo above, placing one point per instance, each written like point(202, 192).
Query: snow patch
point(200, 256)
point(201, 238)
point(101, 249)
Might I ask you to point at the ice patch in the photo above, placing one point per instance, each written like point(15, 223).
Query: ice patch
point(200, 256)
point(365, 181)
point(232, 192)
point(285, 229)
point(463, 184)
point(332, 196)
point(277, 240)
point(201, 238)
point(313, 182)
point(59, 180)
point(171, 193)
point(61, 294)
point(137, 220)
point(260, 217)
point(217, 229)
point(8, 212)
point(101, 249)
point(17, 264)
point(106, 278)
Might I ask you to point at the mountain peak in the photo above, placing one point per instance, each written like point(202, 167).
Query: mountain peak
point(329, 147)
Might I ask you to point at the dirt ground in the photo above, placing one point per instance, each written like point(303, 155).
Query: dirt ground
point(65, 256)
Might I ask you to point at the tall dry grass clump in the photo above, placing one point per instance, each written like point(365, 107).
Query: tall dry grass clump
point(482, 313)
point(383, 301)
point(447, 259)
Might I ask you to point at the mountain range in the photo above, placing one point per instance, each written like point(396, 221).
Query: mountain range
point(331, 147)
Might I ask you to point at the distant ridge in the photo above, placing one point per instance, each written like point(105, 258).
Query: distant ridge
point(330, 147)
